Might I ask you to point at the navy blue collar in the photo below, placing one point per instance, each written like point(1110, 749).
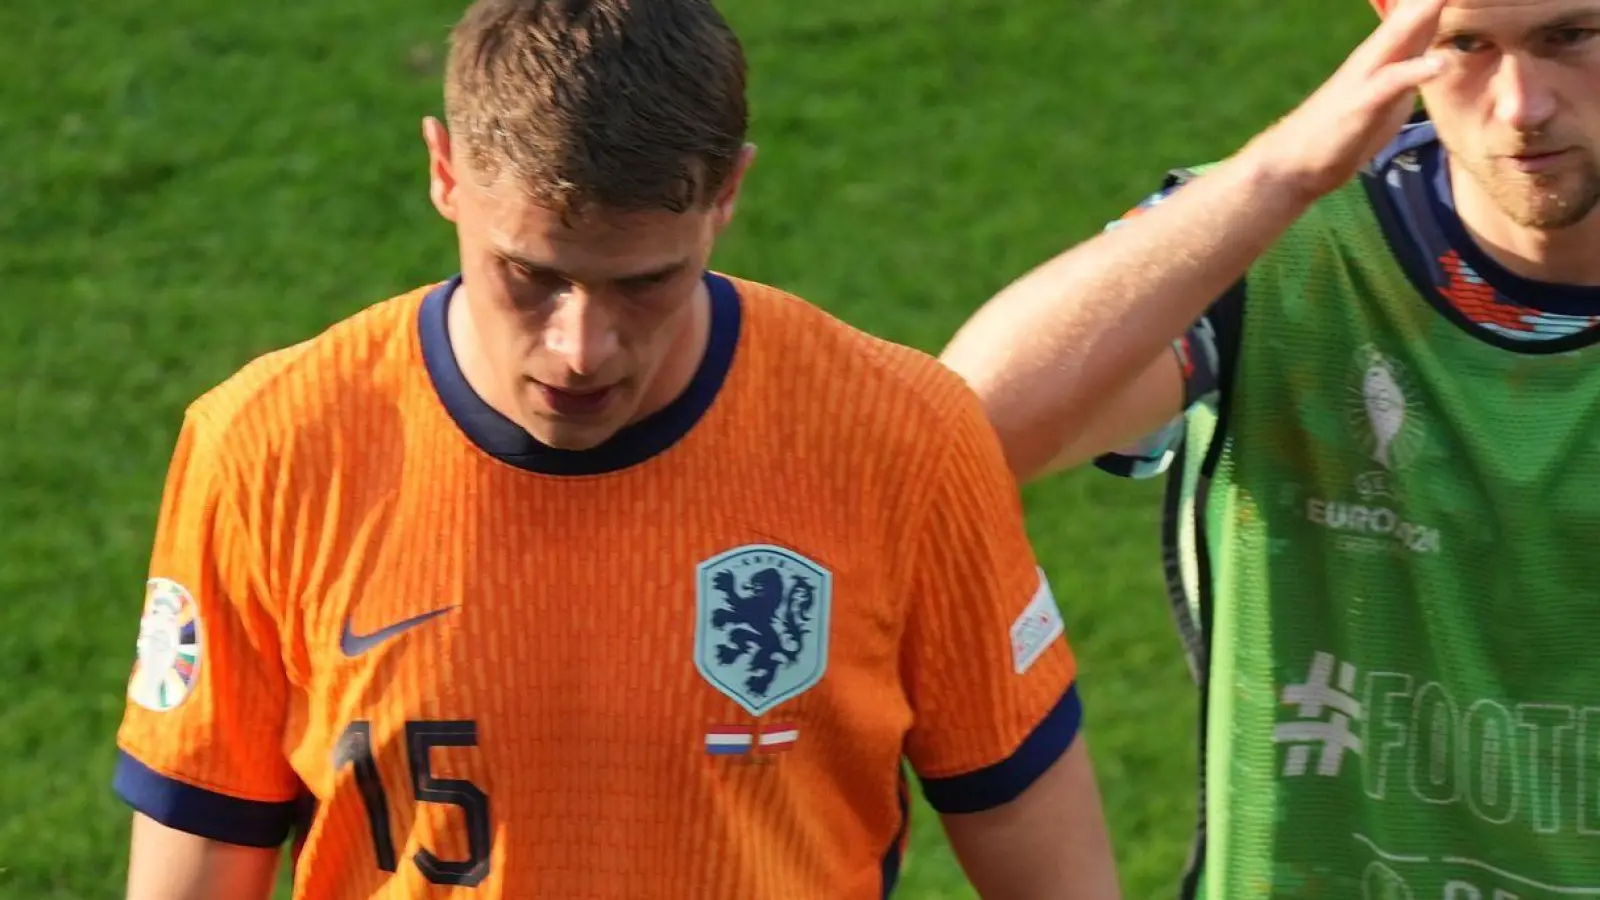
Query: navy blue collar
point(508, 442)
point(1544, 296)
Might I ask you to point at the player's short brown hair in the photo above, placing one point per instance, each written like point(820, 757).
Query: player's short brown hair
point(618, 104)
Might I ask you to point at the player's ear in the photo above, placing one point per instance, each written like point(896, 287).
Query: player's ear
point(728, 197)
point(441, 168)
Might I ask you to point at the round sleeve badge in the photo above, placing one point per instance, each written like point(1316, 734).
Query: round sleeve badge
point(168, 646)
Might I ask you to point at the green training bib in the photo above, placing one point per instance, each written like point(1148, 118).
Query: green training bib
point(1395, 545)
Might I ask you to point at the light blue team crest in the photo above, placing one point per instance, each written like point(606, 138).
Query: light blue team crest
point(761, 633)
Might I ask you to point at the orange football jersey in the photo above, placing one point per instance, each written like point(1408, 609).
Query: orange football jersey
point(451, 661)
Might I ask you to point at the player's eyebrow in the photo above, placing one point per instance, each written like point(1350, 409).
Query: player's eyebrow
point(658, 273)
point(1585, 16)
point(1578, 17)
point(655, 273)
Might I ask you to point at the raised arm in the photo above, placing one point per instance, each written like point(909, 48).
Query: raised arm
point(1073, 359)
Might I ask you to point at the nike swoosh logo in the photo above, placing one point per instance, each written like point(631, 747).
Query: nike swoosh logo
point(352, 644)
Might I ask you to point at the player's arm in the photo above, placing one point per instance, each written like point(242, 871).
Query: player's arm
point(1140, 427)
point(200, 756)
point(1075, 359)
point(991, 679)
point(168, 864)
point(1049, 842)
point(1137, 420)
point(1054, 354)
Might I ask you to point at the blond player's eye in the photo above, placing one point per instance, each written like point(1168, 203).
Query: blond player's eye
point(539, 279)
point(644, 282)
point(1570, 36)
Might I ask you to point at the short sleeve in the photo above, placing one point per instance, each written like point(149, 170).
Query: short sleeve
point(987, 665)
point(200, 747)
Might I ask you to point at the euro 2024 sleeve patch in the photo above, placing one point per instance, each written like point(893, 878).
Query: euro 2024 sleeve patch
point(168, 647)
point(1037, 628)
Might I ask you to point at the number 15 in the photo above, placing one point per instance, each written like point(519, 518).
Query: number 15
point(354, 748)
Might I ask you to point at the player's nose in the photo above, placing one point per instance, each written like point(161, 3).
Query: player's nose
point(1522, 96)
point(582, 333)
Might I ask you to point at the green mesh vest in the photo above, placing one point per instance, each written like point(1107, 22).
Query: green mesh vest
point(1391, 552)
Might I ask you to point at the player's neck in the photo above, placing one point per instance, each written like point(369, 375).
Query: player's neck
point(1563, 256)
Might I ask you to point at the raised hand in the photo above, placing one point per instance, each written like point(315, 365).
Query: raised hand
point(1346, 121)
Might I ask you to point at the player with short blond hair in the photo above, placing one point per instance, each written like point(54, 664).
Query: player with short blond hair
point(590, 572)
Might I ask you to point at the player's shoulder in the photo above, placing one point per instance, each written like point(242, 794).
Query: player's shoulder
point(324, 378)
point(862, 377)
point(1403, 153)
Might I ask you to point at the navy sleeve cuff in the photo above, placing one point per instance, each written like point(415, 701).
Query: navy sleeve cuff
point(1125, 465)
point(217, 817)
point(1004, 781)
point(1119, 465)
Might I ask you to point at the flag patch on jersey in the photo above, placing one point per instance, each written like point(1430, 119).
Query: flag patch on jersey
point(1037, 628)
point(168, 647)
point(736, 740)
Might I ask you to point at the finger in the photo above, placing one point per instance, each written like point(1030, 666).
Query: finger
point(1406, 32)
point(1397, 79)
point(1416, 25)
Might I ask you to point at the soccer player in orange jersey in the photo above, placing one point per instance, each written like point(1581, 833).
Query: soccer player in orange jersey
point(590, 572)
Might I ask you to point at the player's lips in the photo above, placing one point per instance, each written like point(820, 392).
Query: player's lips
point(1533, 163)
point(575, 401)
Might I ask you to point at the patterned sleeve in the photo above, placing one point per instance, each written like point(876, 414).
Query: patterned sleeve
point(200, 744)
point(986, 663)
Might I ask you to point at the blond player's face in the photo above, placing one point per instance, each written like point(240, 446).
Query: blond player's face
point(585, 322)
point(1518, 104)
point(579, 327)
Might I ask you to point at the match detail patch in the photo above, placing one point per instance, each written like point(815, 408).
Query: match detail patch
point(1039, 625)
point(168, 647)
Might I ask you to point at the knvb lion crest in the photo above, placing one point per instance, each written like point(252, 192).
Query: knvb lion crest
point(762, 631)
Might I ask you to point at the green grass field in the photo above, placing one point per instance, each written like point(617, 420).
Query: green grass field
point(186, 185)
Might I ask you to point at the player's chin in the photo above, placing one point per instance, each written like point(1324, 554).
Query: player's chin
point(1552, 209)
point(566, 431)
point(582, 422)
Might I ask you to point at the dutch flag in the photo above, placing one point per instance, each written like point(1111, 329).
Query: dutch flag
point(725, 740)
